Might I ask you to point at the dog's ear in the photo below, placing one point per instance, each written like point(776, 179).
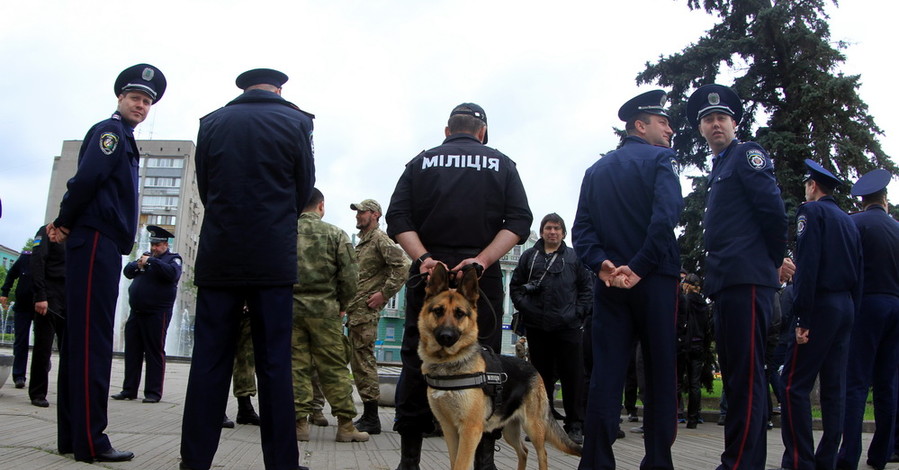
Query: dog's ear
point(438, 281)
point(469, 286)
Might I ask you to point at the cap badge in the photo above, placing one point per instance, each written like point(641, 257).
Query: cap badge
point(663, 100)
point(714, 98)
point(108, 143)
point(147, 74)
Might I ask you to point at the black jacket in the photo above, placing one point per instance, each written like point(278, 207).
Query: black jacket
point(565, 295)
point(20, 270)
point(154, 289)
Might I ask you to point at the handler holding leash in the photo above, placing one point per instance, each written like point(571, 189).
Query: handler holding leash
point(459, 203)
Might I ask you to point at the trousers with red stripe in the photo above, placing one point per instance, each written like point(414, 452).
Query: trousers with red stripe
point(827, 353)
point(742, 313)
point(93, 267)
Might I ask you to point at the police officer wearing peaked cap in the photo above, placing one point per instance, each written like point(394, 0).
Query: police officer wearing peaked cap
point(874, 341)
point(98, 216)
point(745, 239)
point(630, 201)
point(827, 294)
point(151, 296)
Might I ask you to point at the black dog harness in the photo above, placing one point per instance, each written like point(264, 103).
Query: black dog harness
point(491, 381)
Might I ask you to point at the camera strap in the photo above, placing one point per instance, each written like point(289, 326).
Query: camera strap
point(548, 265)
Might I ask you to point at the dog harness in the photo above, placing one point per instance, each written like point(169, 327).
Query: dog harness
point(490, 381)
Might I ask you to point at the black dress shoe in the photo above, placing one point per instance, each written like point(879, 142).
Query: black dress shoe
point(20, 383)
point(894, 458)
point(151, 400)
point(874, 466)
point(113, 455)
point(227, 423)
point(122, 396)
point(41, 402)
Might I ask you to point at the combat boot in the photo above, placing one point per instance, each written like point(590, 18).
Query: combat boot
point(370, 422)
point(483, 455)
point(303, 430)
point(245, 412)
point(346, 432)
point(410, 451)
point(318, 418)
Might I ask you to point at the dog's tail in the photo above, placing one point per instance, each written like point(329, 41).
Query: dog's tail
point(559, 438)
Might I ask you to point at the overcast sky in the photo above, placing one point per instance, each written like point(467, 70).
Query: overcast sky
point(380, 76)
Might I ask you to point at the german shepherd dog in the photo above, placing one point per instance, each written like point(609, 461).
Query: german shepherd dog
point(448, 325)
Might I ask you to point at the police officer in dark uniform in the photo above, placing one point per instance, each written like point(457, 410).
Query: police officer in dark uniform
point(255, 172)
point(874, 341)
point(629, 203)
point(48, 272)
point(460, 203)
point(745, 239)
point(24, 313)
point(98, 216)
point(151, 295)
point(827, 295)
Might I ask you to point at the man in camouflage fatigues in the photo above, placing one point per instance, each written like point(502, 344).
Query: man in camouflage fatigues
point(244, 375)
point(327, 281)
point(382, 270)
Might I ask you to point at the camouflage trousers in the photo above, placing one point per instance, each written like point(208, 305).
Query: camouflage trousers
point(319, 344)
point(244, 364)
point(362, 360)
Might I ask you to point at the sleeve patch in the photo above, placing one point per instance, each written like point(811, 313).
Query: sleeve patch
point(108, 143)
point(756, 159)
point(800, 225)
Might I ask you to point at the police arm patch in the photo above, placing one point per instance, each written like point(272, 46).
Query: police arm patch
point(800, 225)
point(756, 159)
point(108, 143)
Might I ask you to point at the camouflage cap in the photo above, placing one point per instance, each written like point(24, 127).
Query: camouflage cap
point(367, 205)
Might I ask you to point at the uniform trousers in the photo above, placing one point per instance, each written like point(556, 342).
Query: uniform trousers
point(413, 414)
point(319, 343)
point(742, 313)
point(45, 328)
point(826, 353)
point(873, 357)
point(558, 354)
point(216, 329)
point(93, 268)
point(646, 313)
point(362, 361)
point(22, 324)
point(145, 339)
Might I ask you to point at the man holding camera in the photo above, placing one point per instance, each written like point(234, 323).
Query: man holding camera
point(553, 291)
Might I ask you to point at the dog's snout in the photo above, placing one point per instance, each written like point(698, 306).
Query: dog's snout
point(447, 336)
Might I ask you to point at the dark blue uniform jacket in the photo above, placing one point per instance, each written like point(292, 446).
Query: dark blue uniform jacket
point(20, 270)
point(745, 222)
point(255, 172)
point(103, 193)
point(629, 204)
point(828, 257)
point(153, 290)
point(461, 183)
point(880, 239)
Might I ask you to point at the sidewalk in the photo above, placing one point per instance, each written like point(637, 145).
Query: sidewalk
point(153, 433)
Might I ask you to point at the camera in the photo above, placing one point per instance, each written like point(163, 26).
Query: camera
point(532, 287)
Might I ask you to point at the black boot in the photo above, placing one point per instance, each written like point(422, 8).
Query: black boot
point(245, 412)
point(410, 451)
point(483, 456)
point(369, 422)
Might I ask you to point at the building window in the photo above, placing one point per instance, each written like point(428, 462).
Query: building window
point(391, 304)
point(165, 162)
point(161, 220)
point(162, 182)
point(161, 201)
point(390, 333)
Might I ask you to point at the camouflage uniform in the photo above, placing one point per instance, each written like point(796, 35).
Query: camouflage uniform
point(383, 266)
point(327, 282)
point(244, 365)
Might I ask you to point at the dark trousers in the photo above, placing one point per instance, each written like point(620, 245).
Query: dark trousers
point(692, 364)
point(216, 330)
point(44, 331)
point(873, 357)
point(145, 339)
point(647, 312)
point(826, 353)
point(413, 414)
point(22, 320)
point(559, 352)
point(93, 267)
point(742, 314)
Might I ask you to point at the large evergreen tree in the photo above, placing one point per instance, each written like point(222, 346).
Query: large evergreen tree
point(779, 58)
